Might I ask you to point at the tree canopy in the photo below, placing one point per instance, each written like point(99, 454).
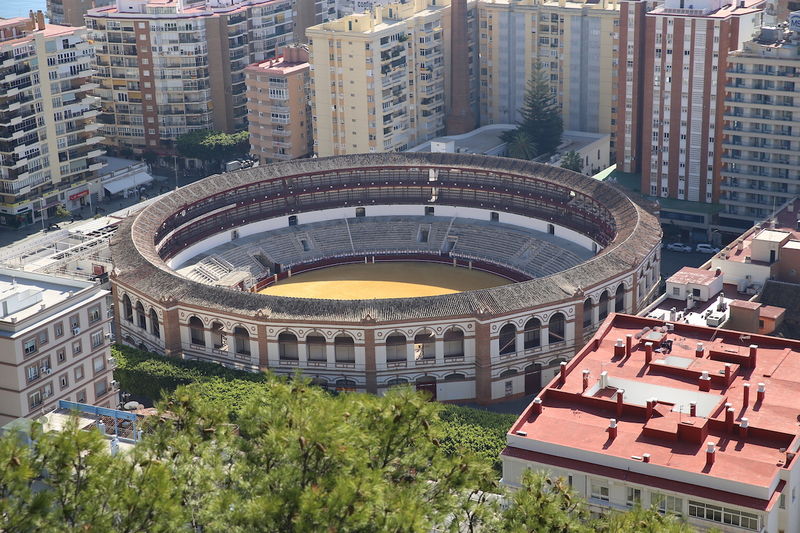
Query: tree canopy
point(539, 131)
point(213, 146)
point(285, 456)
point(572, 160)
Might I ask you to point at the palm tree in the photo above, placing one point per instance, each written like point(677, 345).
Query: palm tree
point(572, 160)
point(521, 146)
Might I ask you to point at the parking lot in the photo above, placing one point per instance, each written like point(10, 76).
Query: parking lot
point(671, 262)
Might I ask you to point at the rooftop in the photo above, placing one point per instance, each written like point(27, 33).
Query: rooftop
point(694, 276)
point(484, 140)
point(688, 392)
point(24, 294)
point(782, 225)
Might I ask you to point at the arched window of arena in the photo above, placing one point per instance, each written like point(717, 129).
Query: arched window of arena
point(346, 385)
point(557, 328)
point(454, 343)
point(395, 348)
point(424, 345)
point(315, 345)
point(397, 382)
point(128, 307)
point(241, 340)
point(603, 306)
point(344, 349)
point(587, 312)
point(508, 339)
point(508, 373)
point(154, 328)
point(218, 335)
point(287, 346)
point(455, 377)
point(533, 333)
point(141, 320)
point(619, 299)
point(196, 330)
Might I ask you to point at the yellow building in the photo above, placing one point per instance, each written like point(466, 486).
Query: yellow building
point(576, 42)
point(379, 77)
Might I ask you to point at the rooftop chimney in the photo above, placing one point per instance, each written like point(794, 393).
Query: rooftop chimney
point(537, 406)
point(645, 457)
point(628, 344)
point(692, 409)
point(39, 20)
point(619, 348)
point(563, 378)
point(612, 428)
point(710, 453)
point(651, 403)
point(753, 355)
point(460, 118)
point(705, 381)
point(620, 398)
point(744, 426)
point(727, 373)
point(728, 418)
point(585, 379)
point(761, 392)
point(648, 352)
point(745, 395)
point(698, 352)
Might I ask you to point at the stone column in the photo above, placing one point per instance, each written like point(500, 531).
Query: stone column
point(369, 361)
point(439, 343)
point(263, 346)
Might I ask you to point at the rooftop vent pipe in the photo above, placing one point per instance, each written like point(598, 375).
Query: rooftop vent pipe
point(753, 355)
point(628, 344)
point(645, 457)
point(537, 406)
point(761, 392)
point(692, 409)
point(705, 381)
point(620, 397)
point(619, 348)
point(585, 379)
point(700, 350)
point(648, 352)
point(563, 378)
point(612, 428)
point(745, 395)
point(744, 426)
point(710, 453)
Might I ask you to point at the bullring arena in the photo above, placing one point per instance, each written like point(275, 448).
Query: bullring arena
point(470, 277)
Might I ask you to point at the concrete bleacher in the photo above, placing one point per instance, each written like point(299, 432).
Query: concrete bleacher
point(534, 253)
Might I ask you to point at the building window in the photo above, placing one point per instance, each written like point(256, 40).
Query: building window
point(80, 396)
point(599, 491)
point(665, 503)
point(35, 399)
point(395, 348)
point(344, 348)
point(77, 348)
point(43, 337)
point(97, 339)
point(59, 329)
point(287, 347)
point(63, 381)
point(75, 323)
point(100, 388)
point(454, 343)
point(99, 364)
point(723, 515)
point(94, 314)
point(634, 496)
point(78, 373)
point(61, 355)
point(29, 347)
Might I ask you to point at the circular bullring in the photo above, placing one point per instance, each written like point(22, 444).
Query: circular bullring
point(189, 268)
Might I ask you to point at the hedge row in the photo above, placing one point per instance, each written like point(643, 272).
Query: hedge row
point(150, 375)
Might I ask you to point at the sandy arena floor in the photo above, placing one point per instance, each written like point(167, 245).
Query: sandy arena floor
point(383, 280)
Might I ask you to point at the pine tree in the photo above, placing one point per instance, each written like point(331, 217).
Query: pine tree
point(541, 117)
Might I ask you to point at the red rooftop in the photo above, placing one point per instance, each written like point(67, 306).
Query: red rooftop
point(706, 415)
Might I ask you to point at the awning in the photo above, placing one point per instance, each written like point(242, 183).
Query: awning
point(128, 182)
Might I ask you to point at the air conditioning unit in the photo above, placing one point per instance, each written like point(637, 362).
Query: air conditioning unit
point(45, 370)
point(114, 384)
point(76, 331)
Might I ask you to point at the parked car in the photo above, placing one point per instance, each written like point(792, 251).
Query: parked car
point(679, 247)
point(704, 248)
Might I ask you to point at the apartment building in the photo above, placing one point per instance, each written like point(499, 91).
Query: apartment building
point(698, 422)
point(54, 344)
point(49, 140)
point(379, 78)
point(166, 68)
point(761, 157)
point(72, 12)
point(671, 78)
point(575, 42)
point(278, 106)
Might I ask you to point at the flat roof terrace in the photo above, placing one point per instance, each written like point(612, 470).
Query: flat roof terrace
point(691, 386)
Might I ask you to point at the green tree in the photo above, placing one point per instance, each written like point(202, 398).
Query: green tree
point(541, 117)
point(213, 146)
point(520, 145)
point(572, 160)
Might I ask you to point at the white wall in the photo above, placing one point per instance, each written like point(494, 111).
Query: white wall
point(455, 390)
point(375, 210)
